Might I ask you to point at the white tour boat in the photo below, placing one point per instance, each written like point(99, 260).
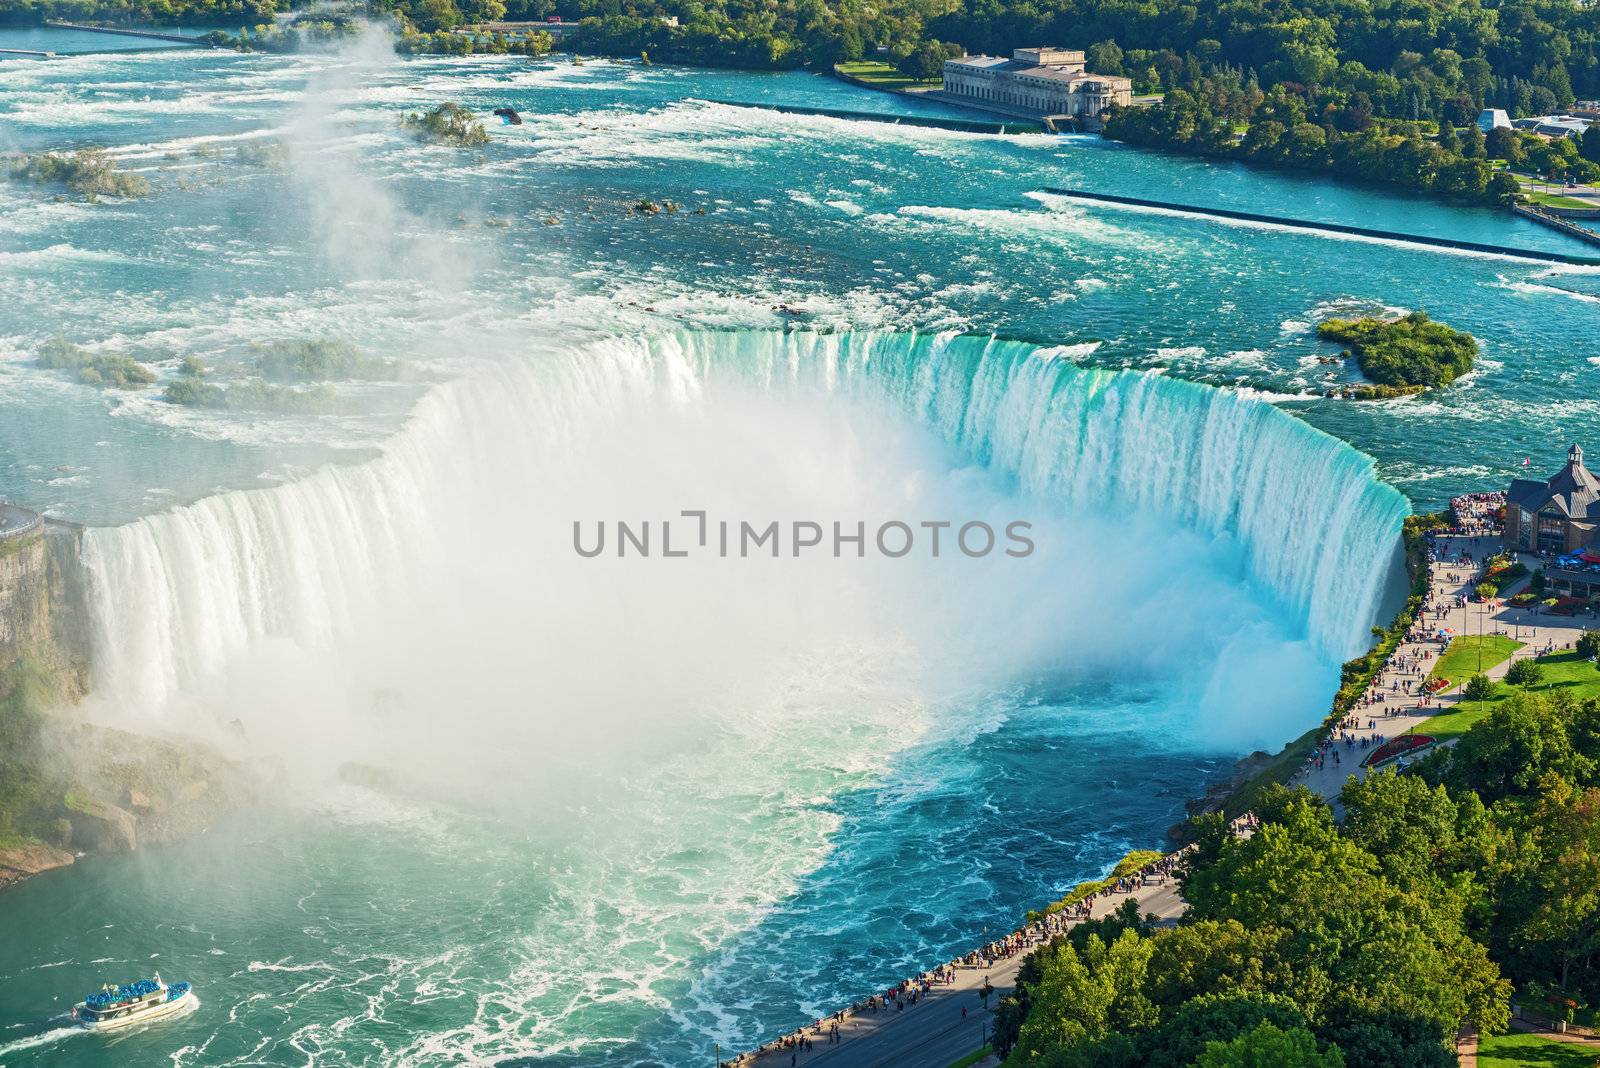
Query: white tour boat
point(131, 1003)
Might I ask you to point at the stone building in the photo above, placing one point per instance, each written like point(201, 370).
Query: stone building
point(1558, 516)
point(1049, 82)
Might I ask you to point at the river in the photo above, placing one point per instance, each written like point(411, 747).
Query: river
point(643, 807)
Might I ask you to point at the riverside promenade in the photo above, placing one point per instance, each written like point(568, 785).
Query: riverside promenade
point(1402, 709)
point(935, 1032)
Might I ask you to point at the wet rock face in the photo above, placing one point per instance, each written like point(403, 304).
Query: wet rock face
point(103, 828)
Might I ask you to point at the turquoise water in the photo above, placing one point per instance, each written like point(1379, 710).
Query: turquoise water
point(74, 42)
point(641, 811)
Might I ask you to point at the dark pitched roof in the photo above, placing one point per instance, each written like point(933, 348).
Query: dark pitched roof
point(1573, 490)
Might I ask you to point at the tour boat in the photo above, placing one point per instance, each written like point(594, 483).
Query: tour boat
point(131, 1003)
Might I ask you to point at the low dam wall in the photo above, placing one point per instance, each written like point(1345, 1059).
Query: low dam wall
point(1326, 227)
point(151, 34)
point(963, 125)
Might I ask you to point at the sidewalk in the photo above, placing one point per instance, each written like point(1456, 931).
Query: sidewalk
point(1400, 711)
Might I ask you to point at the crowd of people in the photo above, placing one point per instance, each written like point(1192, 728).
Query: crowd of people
point(1478, 514)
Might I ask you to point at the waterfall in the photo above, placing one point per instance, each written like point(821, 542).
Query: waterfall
point(177, 594)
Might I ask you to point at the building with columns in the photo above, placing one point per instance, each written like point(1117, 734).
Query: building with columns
point(1048, 82)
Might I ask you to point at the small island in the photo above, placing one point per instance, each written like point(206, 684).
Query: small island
point(89, 172)
point(447, 124)
point(1402, 356)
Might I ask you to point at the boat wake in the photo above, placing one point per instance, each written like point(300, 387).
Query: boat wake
point(43, 1038)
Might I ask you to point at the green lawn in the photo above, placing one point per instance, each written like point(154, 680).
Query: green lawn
point(1567, 672)
point(882, 75)
point(1553, 200)
point(1461, 661)
point(1527, 1051)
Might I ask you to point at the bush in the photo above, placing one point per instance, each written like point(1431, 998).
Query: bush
point(1478, 688)
point(316, 361)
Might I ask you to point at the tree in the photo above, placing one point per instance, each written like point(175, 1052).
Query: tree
point(1269, 1047)
point(1486, 591)
point(1502, 142)
point(1590, 148)
point(1389, 1040)
point(1588, 645)
point(1104, 57)
point(1360, 942)
point(1552, 904)
point(1478, 688)
point(1522, 740)
point(1524, 673)
point(1083, 998)
point(925, 62)
point(1213, 1018)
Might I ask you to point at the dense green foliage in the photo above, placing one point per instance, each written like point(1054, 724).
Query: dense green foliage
point(1373, 941)
point(142, 12)
point(447, 124)
point(1410, 351)
point(88, 171)
point(94, 368)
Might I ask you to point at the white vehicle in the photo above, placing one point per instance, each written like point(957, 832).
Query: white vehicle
point(132, 1003)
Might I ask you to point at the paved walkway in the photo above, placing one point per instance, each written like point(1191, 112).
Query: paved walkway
point(1401, 710)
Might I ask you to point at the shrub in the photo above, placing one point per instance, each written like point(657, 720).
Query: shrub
point(1524, 673)
point(94, 368)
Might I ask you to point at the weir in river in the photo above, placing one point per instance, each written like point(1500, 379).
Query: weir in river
point(1326, 227)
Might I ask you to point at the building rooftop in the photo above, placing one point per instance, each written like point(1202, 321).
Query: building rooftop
point(1573, 491)
point(1067, 72)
